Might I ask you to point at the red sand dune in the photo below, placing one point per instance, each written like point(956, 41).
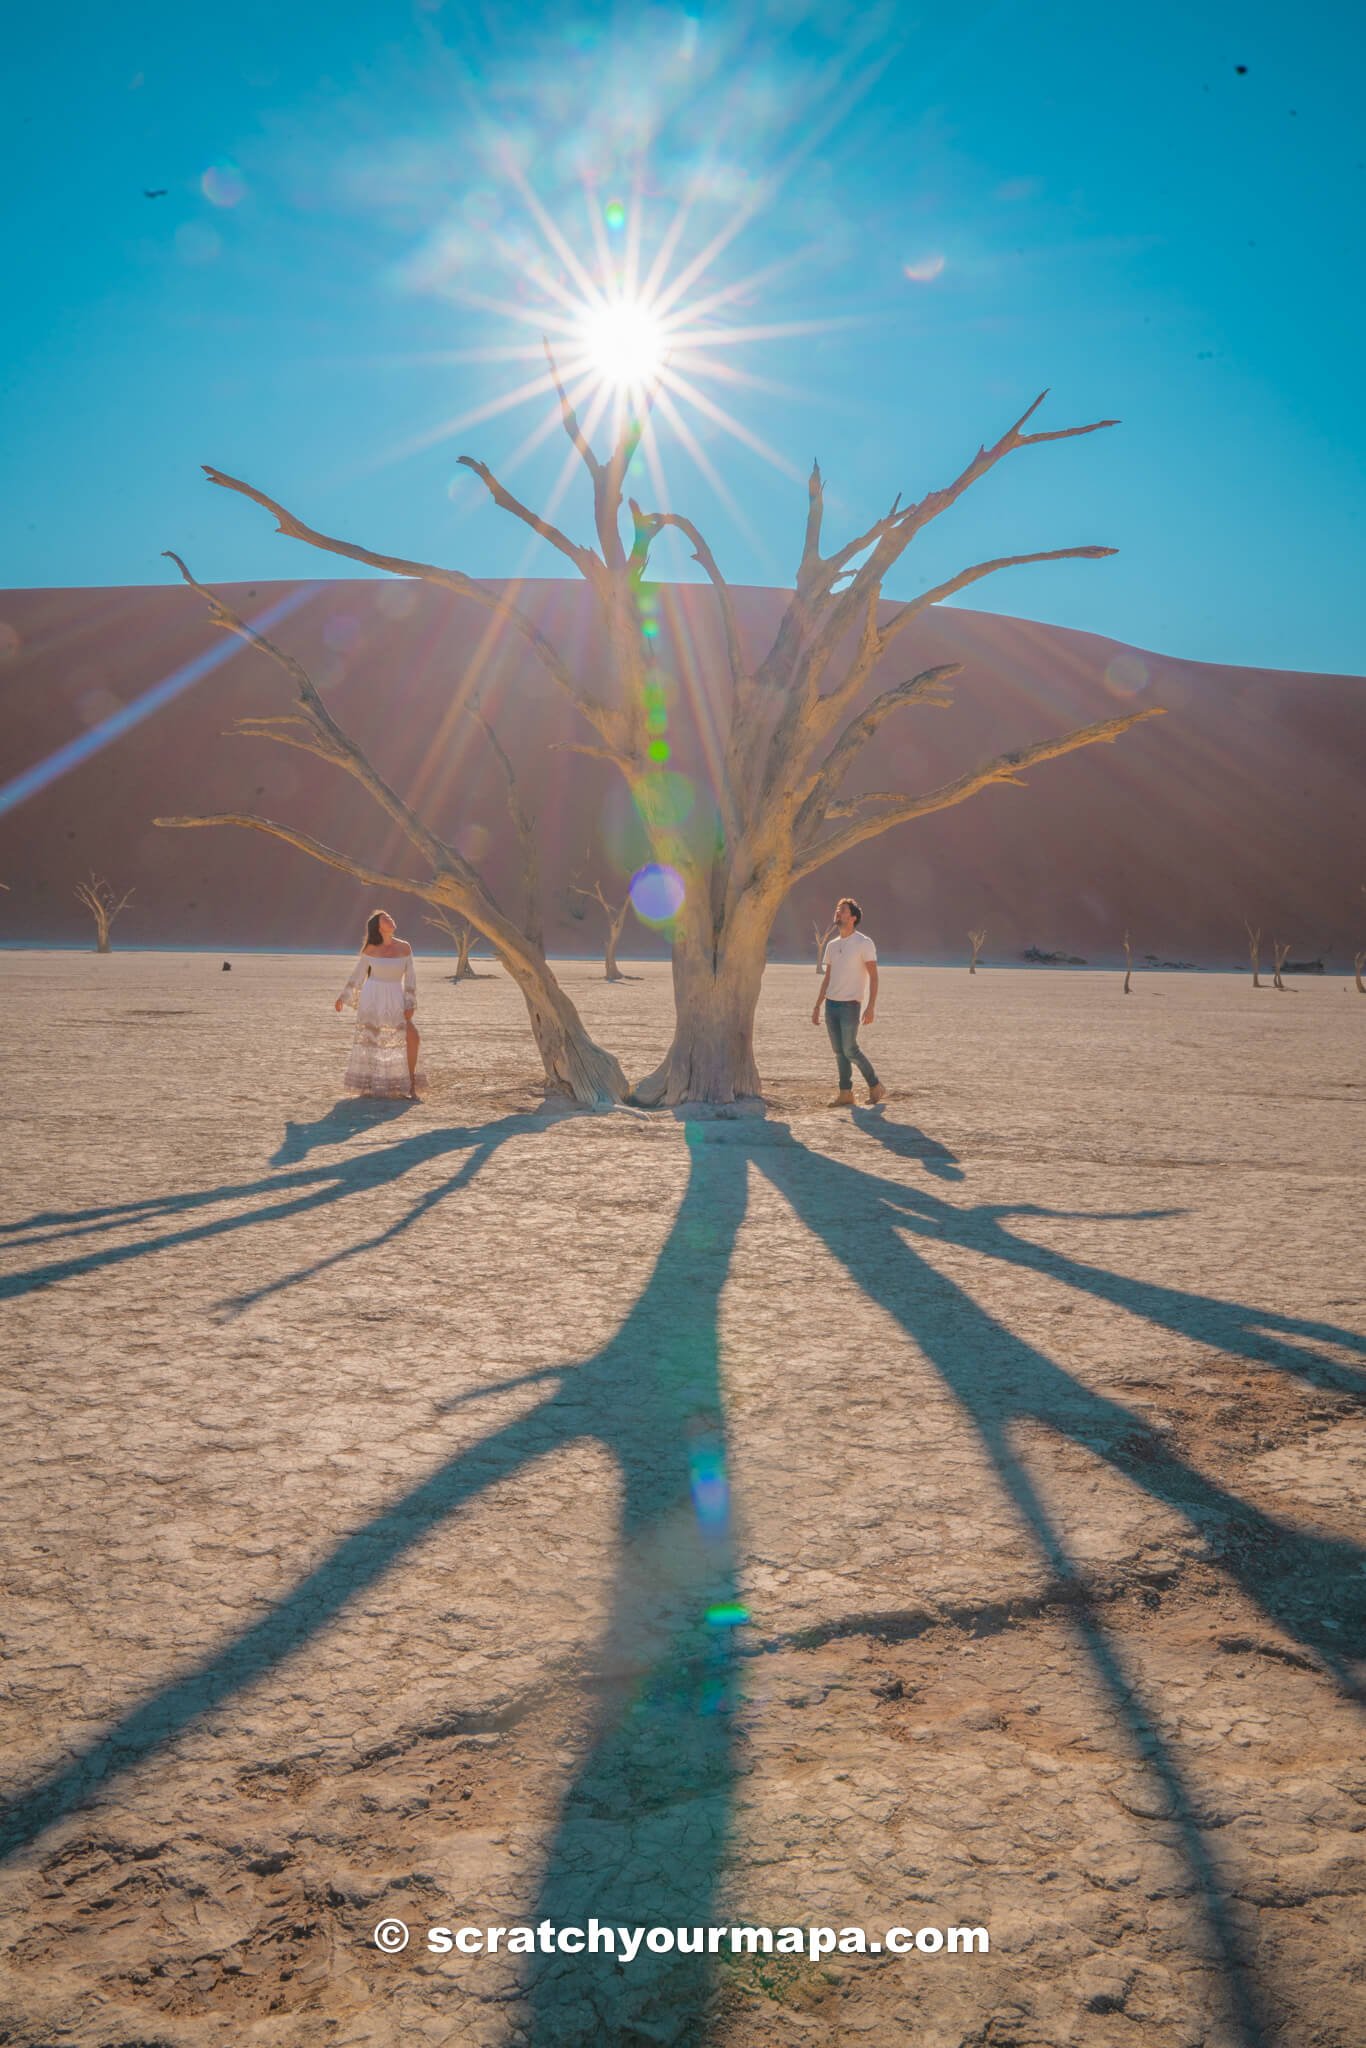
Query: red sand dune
point(1244, 801)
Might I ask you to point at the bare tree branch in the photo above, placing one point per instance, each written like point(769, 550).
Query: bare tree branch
point(584, 559)
point(929, 687)
point(917, 605)
point(427, 572)
point(836, 563)
point(735, 653)
point(811, 563)
point(517, 811)
point(336, 745)
point(893, 535)
point(607, 476)
point(879, 810)
point(645, 526)
point(570, 417)
point(363, 873)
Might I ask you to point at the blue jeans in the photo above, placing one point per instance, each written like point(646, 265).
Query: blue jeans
point(841, 1021)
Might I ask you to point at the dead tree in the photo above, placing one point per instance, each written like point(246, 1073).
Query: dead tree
point(1128, 965)
point(1280, 954)
point(100, 900)
point(976, 940)
point(616, 915)
point(793, 722)
point(821, 938)
point(1358, 962)
point(1254, 944)
point(463, 937)
point(574, 1065)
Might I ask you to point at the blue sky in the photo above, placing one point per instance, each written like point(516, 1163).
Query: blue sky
point(956, 206)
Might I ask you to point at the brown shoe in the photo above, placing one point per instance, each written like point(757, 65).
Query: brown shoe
point(876, 1092)
point(844, 1100)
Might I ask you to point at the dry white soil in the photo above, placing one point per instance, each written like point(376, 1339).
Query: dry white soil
point(386, 1486)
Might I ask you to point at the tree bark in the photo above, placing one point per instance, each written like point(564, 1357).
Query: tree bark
point(716, 993)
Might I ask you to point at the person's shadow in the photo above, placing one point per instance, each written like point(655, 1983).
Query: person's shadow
point(348, 1118)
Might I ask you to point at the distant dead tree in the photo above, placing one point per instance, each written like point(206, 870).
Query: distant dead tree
point(793, 725)
point(976, 940)
point(100, 900)
point(462, 936)
point(616, 915)
point(1128, 965)
point(1281, 954)
point(820, 939)
point(574, 1065)
point(1254, 946)
point(1358, 962)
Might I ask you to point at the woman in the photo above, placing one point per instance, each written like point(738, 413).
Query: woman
point(383, 987)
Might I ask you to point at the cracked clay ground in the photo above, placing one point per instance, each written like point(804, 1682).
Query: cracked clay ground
point(372, 1473)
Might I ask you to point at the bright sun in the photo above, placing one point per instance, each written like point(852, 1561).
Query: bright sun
point(625, 343)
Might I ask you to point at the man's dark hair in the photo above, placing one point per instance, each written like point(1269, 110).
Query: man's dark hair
point(854, 910)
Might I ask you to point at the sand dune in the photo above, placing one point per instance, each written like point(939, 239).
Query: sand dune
point(1244, 801)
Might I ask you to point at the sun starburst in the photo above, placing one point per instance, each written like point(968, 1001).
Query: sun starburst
point(635, 324)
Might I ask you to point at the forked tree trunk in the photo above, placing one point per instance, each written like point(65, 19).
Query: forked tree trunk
point(1358, 962)
point(464, 940)
point(614, 931)
point(1254, 948)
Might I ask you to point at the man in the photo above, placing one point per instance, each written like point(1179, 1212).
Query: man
point(850, 959)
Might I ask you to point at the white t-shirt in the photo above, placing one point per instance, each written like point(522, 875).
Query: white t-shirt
point(848, 961)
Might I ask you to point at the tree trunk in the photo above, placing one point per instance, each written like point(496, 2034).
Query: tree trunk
point(715, 998)
point(574, 1064)
point(615, 927)
point(463, 970)
point(102, 944)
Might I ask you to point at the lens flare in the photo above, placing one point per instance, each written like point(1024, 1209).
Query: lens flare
point(709, 1487)
point(664, 799)
point(657, 894)
point(223, 185)
point(1125, 675)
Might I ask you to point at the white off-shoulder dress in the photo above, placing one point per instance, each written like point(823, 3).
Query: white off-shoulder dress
point(381, 991)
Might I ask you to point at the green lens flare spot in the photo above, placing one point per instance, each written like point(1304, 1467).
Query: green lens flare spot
point(650, 628)
point(659, 750)
point(614, 213)
point(656, 721)
point(728, 1616)
point(663, 798)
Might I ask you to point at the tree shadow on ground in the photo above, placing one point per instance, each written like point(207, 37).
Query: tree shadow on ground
point(644, 1829)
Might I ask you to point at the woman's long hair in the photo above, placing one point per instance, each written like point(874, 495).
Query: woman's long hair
point(372, 930)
